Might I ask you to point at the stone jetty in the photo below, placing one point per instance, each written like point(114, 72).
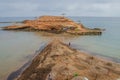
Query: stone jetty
point(58, 61)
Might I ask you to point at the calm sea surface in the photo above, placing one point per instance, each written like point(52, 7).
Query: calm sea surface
point(16, 47)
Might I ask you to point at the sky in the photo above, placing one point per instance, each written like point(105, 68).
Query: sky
point(27, 8)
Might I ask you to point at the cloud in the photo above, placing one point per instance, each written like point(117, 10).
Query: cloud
point(54, 7)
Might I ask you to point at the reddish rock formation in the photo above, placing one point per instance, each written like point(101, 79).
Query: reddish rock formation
point(58, 61)
point(53, 24)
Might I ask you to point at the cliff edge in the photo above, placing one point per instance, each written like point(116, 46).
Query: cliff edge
point(58, 61)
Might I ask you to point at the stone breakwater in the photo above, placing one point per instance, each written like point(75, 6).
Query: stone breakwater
point(54, 24)
point(58, 61)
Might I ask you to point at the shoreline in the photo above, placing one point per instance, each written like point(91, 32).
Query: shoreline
point(19, 71)
point(98, 57)
point(16, 73)
point(106, 57)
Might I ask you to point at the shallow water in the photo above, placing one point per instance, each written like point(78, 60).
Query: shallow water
point(15, 49)
point(17, 46)
point(108, 43)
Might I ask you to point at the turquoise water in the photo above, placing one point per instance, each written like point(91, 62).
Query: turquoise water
point(17, 46)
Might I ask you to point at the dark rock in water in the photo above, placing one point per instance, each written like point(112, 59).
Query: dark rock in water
point(15, 74)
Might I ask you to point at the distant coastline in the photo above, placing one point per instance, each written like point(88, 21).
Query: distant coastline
point(12, 22)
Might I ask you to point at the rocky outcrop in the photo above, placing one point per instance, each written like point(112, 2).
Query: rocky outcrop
point(55, 24)
point(58, 61)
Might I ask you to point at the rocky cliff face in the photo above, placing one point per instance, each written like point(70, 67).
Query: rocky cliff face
point(58, 61)
point(47, 23)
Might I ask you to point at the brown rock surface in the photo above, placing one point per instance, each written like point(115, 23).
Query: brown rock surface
point(58, 61)
point(53, 23)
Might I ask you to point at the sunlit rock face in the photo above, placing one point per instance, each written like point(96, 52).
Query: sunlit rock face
point(55, 24)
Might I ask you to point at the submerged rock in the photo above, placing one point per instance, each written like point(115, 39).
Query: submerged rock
point(58, 61)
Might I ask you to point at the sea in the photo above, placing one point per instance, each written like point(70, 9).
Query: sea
point(18, 47)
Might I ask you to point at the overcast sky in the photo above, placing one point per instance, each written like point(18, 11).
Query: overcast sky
point(19, 8)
